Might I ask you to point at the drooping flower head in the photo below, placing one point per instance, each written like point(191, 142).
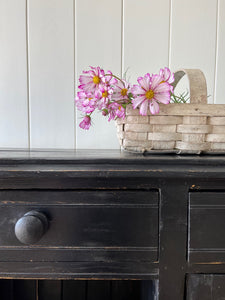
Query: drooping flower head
point(85, 102)
point(85, 123)
point(150, 91)
point(91, 81)
point(115, 110)
point(121, 91)
point(120, 111)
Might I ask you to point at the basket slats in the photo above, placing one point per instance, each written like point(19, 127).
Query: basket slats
point(193, 127)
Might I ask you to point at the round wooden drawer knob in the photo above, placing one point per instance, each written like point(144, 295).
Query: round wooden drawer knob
point(31, 227)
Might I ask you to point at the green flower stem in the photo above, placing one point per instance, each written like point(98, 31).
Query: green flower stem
point(183, 98)
point(122, 101)
point(116, 78)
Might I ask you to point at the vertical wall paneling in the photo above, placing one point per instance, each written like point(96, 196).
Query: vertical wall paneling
point(98, 43)
point(13, 75)
point(45, 45)
point(146, 36)
point(51, 57)
point(193, 37)
point(220, 76)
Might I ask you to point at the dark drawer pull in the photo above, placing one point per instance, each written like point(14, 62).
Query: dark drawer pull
point(31, 227)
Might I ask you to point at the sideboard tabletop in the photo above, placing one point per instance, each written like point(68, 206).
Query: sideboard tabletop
point(103, 156)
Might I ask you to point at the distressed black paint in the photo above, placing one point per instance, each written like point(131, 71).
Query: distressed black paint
point(116, 215)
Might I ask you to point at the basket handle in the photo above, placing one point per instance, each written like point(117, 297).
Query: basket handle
point(197, 84)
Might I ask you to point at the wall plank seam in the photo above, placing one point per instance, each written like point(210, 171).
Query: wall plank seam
point(170, 34)
point(216, 51)
point(28, 76)
point(74, 70)
point(122, 39)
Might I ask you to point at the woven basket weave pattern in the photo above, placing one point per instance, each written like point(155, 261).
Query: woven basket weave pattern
point(182, 128)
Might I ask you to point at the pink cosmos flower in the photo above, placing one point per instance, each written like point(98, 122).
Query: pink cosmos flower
point(112, 111)
point(85, 123)
point(103, 95)
point(91, 81)
point(85, 102)
point(121, 90)
point(149, 92)
point(120, 112)
point(115, 110)
point(167, 76)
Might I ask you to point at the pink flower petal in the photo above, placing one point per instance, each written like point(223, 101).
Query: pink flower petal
point(81, 94)
point(162, 87)
point(144, 108)
point(143, 81)
point(163, 97)
point(154, 107)
point(137, 90)
point(137, 101)
point(85, 79)
point(156, 80)
point(89, 88)
point(148, 79)
point(167, 74)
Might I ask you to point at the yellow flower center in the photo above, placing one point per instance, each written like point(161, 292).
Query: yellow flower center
point(89, 99)
point(149, 94)
point(124, 92)
point(96, 79)
point(162, 81)
point(105, 94)
point(120, 107)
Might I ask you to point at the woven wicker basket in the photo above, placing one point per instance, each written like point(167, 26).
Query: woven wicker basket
point(193, 127)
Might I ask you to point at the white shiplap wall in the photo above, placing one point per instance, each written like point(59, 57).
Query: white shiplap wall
point(14, 127)
point(45, 45)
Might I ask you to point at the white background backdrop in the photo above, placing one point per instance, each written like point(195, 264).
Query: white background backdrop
point(45, 45)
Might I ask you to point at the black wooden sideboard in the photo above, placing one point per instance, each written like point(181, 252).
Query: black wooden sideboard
point(110, 215)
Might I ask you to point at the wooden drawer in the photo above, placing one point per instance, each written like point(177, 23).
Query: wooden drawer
point(205, 287)
point(206, 227)
point(83, 225)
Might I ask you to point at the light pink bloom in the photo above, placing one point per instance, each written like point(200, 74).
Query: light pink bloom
point(112, 111)
point(91, 81)
point(120, 112)
point(115, 110)
point(167, 76)
point(121, 90)
point(85, 123)
point(85, 102)
point(150, 91)
point(103, 96)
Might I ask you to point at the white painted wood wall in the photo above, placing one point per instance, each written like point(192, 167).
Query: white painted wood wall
point(45, 45)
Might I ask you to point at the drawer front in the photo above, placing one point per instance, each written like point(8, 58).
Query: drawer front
point(206, 227)
point(205, 287)
point(90, 225)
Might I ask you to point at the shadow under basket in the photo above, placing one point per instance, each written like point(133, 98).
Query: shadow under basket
point(182, 128)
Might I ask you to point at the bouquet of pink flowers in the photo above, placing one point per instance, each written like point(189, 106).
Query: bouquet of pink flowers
point(103, 91)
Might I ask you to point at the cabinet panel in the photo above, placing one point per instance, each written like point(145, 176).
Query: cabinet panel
point(206, 227)
point(207, 287)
